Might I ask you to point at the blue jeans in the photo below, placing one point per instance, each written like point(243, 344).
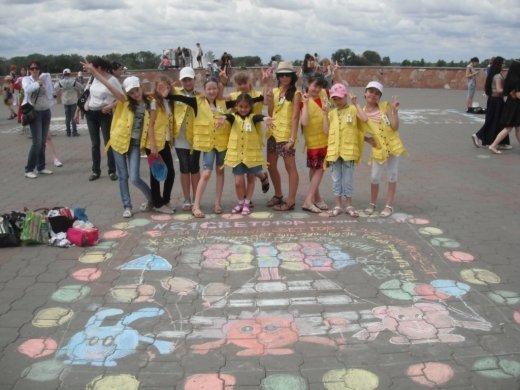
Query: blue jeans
point(70, 109)
point(39, 130)
point(212, 157)
point(130, 170)
point(97, 123)
point(343, 178)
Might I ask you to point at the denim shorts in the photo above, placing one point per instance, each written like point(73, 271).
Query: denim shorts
point(209, 158)
point(242, 169)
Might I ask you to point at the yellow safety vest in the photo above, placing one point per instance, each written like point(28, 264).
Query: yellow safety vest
point(205, 136)
point(345, 137)
point(121, 128)
point(162, 125)
point(313, 132)
point(181, 112)
point(282, 117)
point(257, 107)
point(245, 144)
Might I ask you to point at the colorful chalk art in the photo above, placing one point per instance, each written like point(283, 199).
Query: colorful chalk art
point(295, 302)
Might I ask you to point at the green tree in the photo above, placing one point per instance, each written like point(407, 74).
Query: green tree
point(247, 61)
point(343, 57)
point(386, 61)
point(372, 57)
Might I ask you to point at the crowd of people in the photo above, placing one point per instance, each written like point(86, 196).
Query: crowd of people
point(181, 57)
point(233, 131)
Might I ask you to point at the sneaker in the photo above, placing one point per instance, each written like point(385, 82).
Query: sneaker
point(31, 175)
point(146, 206)
point(476, 141)
point(58, 163)
point(75, 134)
point(112, 176)
point(172, 208)
point(45, 172)
point(127, 213)
point(163, 209)
point(504, 147)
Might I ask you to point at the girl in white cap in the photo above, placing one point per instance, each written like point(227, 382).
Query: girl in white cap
point(132, 124)
point(386, 144)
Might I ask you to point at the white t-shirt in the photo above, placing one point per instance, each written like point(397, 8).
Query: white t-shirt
point(100, 95)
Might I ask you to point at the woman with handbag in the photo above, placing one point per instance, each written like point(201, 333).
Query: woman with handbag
point(37, 102)
point(98, 111)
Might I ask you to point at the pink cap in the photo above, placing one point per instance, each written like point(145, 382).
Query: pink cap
point(338, 90)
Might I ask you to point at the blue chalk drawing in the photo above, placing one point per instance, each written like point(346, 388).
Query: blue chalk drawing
point(104, 345)
point(148, 263)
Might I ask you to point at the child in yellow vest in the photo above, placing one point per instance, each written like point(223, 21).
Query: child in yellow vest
point(345, 146)
point(315, 101)
point(387, 147)
point(243, 85)
point(132, 124)
point(244, 149)
point(283, 105)
point(206, 137)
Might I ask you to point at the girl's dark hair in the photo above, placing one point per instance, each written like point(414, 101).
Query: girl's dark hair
point(115, 65)
point(495, 68)
point(37, 63)
point(211, 80)
point(318, 79)
point(512, 81)
point(289, 95)
point(245, 97)
point(132, 103)
point(159, 98)
point(99, 62)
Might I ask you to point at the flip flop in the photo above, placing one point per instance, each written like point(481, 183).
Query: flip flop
point(321, 205)
point(350, 210)
point(312, 209)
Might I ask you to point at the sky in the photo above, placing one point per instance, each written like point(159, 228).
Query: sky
point(400, 29)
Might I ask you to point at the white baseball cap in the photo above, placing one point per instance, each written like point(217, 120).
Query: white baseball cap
point(187, 73)
point(130, 83)
point(66, 71)
point(375, 84)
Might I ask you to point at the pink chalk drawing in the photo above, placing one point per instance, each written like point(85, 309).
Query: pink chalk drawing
point(417, 324)
point(262, 336)
point(210, 381)
point(153, 233)
point(459, 257)
point(37, 348)
point(430, 374)
point(114, 234)
point(87, 274)
point(430, 293)
point(516, 317)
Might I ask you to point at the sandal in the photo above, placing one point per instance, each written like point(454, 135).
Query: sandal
point(321, 205)
point(284, 206)
point(387, 211)
point(217, 209)
point(312, 209)
point(265, 183)
point(350, 210)
point(370, 209)
point(197, 213)
point(275, 200)
point(238, 208)
point(186, 206)
point(246, 210)
point(332, 213)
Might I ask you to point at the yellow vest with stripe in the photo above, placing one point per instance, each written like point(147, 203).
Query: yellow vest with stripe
point(388, 140)
point(182, 111)
point(121, 128)
point(245, 144)
point(205, 136)
point(282, 117)
point(163, 125)
point(313, 132)
point(345, 137)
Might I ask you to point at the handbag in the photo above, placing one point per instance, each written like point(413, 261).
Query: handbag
point(10, 229)
point(35, 228)
point(83, 99)
point(81, 237)
point(28, 114)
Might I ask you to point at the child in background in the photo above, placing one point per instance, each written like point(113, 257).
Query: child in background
point(165, 132)
point(314, 103)
point(383, 124)
point(244, 149)
point(345, 146)
point(132, 124)
point(243, 85)
point(283, 105)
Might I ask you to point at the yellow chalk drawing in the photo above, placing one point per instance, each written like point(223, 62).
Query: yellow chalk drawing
point(52, 316)
point(351, 379)
point(95, 257)
point(110, 382)
point(479, 276)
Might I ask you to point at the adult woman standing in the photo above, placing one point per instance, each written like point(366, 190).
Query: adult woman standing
point(99, 117)
point(39, 93)
point(283, 105)
point(494, 90)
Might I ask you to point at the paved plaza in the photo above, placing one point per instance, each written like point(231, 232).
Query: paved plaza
point(428, 298)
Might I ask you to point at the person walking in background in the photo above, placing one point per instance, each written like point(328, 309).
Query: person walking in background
point(99, 117)
point(39, 93)
point(495, 102)
point(387, 147)
point(200, 54)
point(471, 78)
point(69, 90)
point(8, 93)
point(510, 117)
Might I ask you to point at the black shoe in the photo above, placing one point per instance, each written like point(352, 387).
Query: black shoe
point(112, 176)
point(75, 134)
point(68, 134)
point(93, 176)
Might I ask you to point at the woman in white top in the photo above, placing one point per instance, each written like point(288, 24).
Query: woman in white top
point(38, 91)
point(99, 117)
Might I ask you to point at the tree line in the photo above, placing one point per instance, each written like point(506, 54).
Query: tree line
point(148, 60)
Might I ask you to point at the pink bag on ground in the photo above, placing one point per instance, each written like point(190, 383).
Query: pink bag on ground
point(81, 237)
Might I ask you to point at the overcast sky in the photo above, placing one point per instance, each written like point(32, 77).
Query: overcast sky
point(400, 29)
